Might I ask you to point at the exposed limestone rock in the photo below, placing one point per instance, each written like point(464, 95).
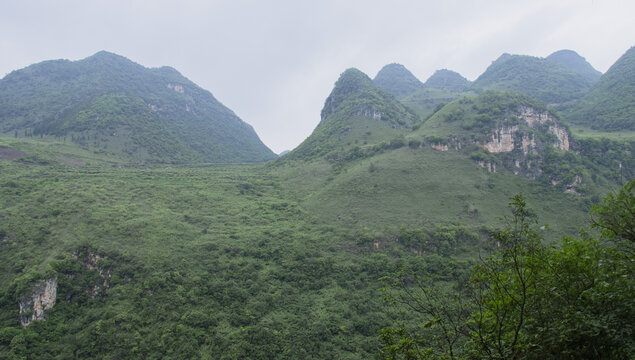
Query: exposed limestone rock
point(178, 88)
point(563, 137)
point(502, 140)
point(528, 143)
point(43, 296)
point(491, 167)
point(371, 113)
point(534, 117)
point(571, 187)
point(91, 263)
point(440, 147)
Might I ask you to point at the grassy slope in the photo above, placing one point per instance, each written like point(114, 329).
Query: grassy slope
point(417, 187)
point(244, 261)
point(220, 258)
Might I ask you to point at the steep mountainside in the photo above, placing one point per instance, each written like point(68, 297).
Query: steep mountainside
point(576, 63)
point(447, 80)
point(396, 80)
point(610, 103)
point(513, 132)
point(538, 78)
point(112, 104)
point(356, 113)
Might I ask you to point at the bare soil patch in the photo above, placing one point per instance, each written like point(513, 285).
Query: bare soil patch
point(7, 153)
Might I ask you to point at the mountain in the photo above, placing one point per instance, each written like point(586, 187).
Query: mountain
point(111, 104)
point(447, 80)
point(610, 103)
point(442, 87)
point(576, 63)
point(542, 79)
point(396, 80)
point(356, 113)
point(293, 258)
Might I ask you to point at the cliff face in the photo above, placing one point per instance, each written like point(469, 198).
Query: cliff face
point(516, 137)
point(42, 297)
point(504, 138)
point(44, 293)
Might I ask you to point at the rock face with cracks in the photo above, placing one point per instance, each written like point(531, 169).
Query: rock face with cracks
point(42, 298)
point(503, 138)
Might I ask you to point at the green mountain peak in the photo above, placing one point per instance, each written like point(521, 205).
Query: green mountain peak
point(447, 80)
point(576, 63)
point(109, 103)
point(542, 79)
point(356, 113)
point(396, 80)
point(609, 104)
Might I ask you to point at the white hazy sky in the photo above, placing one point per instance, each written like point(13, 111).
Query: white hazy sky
point(275, 62)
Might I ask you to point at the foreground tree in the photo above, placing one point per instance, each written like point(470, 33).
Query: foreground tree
point(529, 301)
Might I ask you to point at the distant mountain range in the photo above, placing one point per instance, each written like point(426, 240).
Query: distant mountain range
point(109, 103)
point(112, 105)
point(503, 121)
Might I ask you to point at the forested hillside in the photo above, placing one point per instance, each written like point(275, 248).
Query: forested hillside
point(541, 79)
point(111, 104)
point(610, 103)
point(416, 221)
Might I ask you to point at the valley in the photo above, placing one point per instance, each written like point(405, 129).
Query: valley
point(152, 222)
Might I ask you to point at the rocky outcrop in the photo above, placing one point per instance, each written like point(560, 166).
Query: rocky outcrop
point(562, 135)
point(371, 113)
point(490, 166)
point(534, 117)
point(178, 88)
point(42, 298)
point(440, 147)
point(501, 140)
point(91, 263)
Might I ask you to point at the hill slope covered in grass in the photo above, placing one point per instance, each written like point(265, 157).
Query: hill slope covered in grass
point(110, 103)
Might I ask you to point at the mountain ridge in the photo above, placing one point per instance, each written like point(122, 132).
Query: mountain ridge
point(79, 99)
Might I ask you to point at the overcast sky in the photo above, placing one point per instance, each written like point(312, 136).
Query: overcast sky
point(275, 62)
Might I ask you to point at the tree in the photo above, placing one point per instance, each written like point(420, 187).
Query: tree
point(614, 216)
point(528, 300)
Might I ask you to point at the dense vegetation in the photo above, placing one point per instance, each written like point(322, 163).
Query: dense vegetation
point(291, 259)
point(396, 80)
point(211, 261)
point(609, 104)
point(527, 300)
point(571, 60)
point(538, 78)
point(447, 80)
point(108, 102)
